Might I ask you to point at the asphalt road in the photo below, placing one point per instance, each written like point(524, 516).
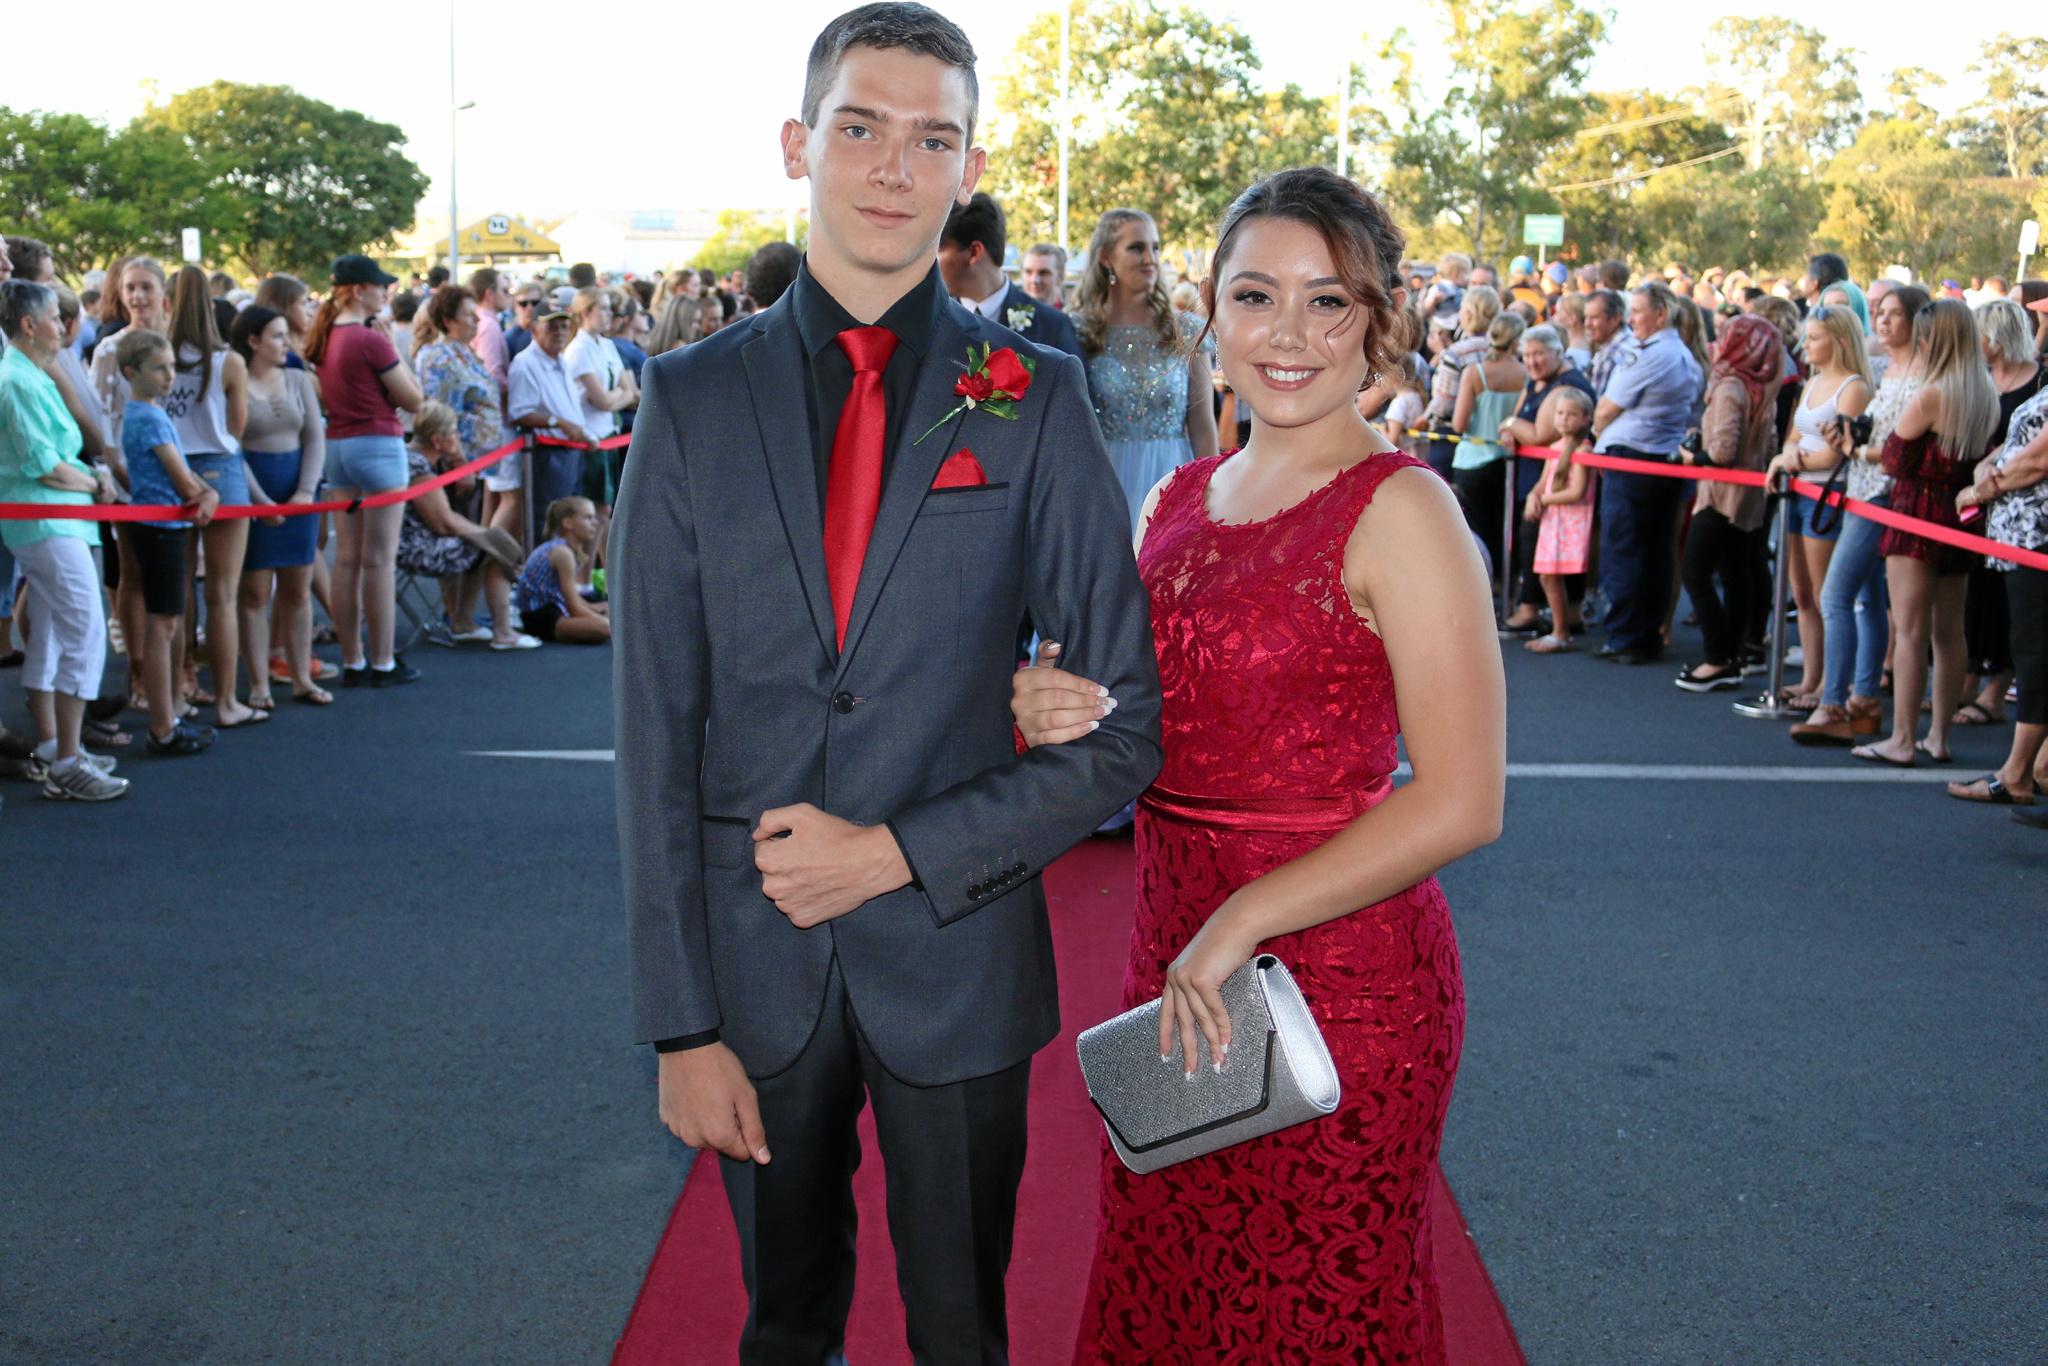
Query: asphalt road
point(314, 1048)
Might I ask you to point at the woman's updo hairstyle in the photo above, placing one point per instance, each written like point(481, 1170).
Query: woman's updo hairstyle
point(1504, 333)
point(1362, 238)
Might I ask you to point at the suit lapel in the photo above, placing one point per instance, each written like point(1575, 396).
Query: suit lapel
point(913, 464)
point(775, 369)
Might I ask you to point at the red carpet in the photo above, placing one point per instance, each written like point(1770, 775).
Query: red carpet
point(691, 1305)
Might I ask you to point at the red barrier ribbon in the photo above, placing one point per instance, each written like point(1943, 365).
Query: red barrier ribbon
point(143, 512)
point(1898, 521)
point(610, 443)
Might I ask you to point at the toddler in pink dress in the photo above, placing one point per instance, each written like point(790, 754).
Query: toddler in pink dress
point(1563, 499)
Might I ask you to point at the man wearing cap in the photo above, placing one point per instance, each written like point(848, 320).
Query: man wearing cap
point(1522, 286)
point(541, 399)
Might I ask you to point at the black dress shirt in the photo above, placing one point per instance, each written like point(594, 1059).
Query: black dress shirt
point(828, 374)
point(828, 379)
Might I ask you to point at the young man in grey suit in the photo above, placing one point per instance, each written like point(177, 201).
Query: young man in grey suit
point(971, 251)
point(831, 850)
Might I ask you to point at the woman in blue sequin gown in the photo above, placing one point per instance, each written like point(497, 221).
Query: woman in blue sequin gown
point(1150, 383)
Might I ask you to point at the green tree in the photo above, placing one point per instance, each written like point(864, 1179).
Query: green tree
point(93, 194)
point(1169, 118)
point(2014, 107)
point(290, 182)
point(1516, 98)
point(1900, 194)
point(1800, 94)
point(1598, 176)
point(1724, 215)
point(739, 234)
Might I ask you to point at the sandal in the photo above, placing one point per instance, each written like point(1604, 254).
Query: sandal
point(256, 717)
point(1932, 757)
point(1870, 753)
point(1975, 714)
point(105, 734)
point(1802, 701)
point(1548, 645)
point(314, 696)
point(262, 701)
point(198, 696)
point(1995, 792)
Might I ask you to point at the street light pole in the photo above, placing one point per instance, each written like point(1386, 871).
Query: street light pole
point(1066, 112)
point(454, 109)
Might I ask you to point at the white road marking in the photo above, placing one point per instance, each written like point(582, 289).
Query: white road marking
point(1633, 773)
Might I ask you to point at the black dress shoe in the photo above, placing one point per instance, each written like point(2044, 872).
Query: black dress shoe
point(357, 676)
point(1627, 654)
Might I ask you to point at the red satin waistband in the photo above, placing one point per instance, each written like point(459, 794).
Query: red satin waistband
point(1284, 815)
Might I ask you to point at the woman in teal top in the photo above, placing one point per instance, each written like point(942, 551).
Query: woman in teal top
point(39, 449)
point(1488, 393)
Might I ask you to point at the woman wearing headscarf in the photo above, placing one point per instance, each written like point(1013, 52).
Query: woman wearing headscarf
point(1740, 432)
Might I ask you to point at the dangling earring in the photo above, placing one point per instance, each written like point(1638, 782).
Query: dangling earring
point(1371, 379)
point(1112, 277)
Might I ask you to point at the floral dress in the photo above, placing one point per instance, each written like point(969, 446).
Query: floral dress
point(451, 373)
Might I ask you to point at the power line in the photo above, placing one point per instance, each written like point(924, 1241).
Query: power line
point(1648, 120)
point(1623, 179)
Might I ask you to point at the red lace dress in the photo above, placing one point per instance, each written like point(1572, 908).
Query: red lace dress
point(1312, 1244)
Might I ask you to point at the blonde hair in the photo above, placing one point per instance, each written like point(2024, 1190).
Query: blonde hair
point(586, 299)
point(1845, 334)
point(1504, 332)
point(561, 510)
point(1955, 367)
point(677, 325)
point(2004, 325)
point(1480, 307)
point(434, 420)
point(1091, 301)
point(1571, 396)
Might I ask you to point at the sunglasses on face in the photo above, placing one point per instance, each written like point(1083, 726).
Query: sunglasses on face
point(528, 303)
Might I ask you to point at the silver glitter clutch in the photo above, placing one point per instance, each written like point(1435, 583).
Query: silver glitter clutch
point(1279, 1075)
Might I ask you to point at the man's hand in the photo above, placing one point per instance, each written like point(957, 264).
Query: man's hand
point(824, 866)
point(707, 1101)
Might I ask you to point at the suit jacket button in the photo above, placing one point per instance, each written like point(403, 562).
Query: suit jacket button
point(975, 891)
point(842, 702)
point(1018, 870)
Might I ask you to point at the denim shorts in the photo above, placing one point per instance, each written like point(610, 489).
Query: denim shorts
point(366, 464)
point(227, 475)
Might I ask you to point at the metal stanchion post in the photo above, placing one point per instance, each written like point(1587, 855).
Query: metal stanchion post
point(1771, 705)
point(529, 462)
point(1510, 522)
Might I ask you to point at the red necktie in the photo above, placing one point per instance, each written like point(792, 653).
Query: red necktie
point(853, 489)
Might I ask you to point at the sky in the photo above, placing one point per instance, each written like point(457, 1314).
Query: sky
point(675, 104)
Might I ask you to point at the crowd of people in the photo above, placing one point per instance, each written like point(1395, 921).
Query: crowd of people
point(183, 388)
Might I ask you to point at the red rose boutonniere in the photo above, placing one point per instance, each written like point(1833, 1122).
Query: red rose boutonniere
point(993, 382)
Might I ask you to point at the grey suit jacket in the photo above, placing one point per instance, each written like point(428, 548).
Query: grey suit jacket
point(731, 699)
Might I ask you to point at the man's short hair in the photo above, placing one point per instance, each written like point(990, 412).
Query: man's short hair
point(29, 256)
point(892, 25)
point(1058, 254)
point(1610, 301)
point(1662, 298)
point(1614, 275)
point(437, 277)
point(771, 271)
point(482, 281)
point(220, 282)
point(1827, 268)
point(1545, 336)
point(583, 275)
point(980, 219)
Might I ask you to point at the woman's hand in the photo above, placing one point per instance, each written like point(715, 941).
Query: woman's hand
point(103, 490)
point(1193, 998)
point(204, 505)
point(1783, 466)
point(1052, 706)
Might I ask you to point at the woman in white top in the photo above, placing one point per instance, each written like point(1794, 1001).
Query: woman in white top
point(208, 404)
point(1837, 390)
point(137, 297)
point(601, 380)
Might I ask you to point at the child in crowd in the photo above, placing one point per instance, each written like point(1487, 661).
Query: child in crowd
point(1562, 504)
point(1402, 421)
point(549, 604)
point(158, 474)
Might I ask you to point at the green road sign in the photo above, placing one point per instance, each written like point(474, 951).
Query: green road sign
point(1543, 230)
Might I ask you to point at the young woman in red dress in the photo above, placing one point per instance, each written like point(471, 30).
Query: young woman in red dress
point(1315, 597)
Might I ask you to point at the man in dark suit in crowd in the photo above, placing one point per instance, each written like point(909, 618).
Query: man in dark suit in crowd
point(971, 253)
point(831, 852)
point(770, 273)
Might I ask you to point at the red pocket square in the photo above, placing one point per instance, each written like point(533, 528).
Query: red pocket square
point(961, 471)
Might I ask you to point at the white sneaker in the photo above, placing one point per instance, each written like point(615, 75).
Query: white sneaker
point(518, 642)
point(35, 768)
point(84, 782)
